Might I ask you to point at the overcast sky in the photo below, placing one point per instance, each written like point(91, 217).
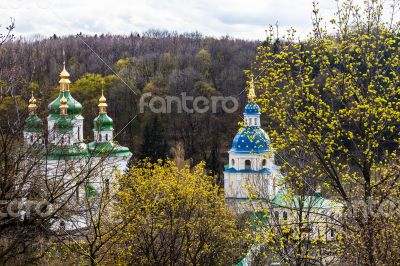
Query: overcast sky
point(238, 18)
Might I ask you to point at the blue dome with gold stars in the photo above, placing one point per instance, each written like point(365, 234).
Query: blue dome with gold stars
point(251, 108)
point(250, 140)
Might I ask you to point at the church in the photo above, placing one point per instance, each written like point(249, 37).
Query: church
point(251, 168)
point(65, 130)
point(254, 184)
point(64, 157)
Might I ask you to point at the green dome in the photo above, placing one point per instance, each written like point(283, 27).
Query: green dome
point(63, 125)
point(33, 124)
point(74, 107)
point(103, 123)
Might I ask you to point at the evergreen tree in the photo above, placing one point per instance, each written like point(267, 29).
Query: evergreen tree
point(154, 143)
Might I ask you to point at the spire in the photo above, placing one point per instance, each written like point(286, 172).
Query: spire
point(32, 105)
point(102, 101)
point(33, 124)
point(63, 106)
point(252, 95)
point(251, 110)
point(63, 53)
point(64, 75)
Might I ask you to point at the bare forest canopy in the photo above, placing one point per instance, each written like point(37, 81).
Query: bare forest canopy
point(159, 62)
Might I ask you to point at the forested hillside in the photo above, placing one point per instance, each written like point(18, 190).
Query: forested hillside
point(163, 63)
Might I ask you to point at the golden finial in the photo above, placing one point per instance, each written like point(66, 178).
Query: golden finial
point(32, 105)
point(252, 95)
point(102, 101)
point(64, 75)
point(63, 105)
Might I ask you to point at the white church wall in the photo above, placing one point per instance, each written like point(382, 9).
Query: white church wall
point(78, 128)
point(252, 120)
point(50, 129)
point(103, 135)
point(238, 161)
point(241, 185)
point(33, 138)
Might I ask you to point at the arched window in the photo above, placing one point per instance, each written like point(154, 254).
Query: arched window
point(264, 162)
point(69, 140)
point(276, 214)
point(233, 162)
point(285, 215)
point(106, 137)
point(99, 137)
point(31, 138)
point(247, 165)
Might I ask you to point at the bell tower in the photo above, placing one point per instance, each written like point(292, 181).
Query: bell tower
point(74, 111)
point(251, 168)
point(103, 124)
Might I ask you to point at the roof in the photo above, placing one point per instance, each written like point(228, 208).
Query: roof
point(262, 171)
point(33, 124)
point(108, 148)
point(243, 262)
point(57, 116)
point(250, 140)
point(74, 107)
point(82, 150)
point(315, 201)
point(68, 152)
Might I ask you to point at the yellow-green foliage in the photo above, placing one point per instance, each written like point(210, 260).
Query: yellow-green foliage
point(174, 217)
point(333, 101)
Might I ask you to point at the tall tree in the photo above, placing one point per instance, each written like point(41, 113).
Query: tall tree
point(203, 62)
point(176, 217)
point(333, 101)
point(154, 143)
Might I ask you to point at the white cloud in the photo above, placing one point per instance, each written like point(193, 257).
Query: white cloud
point(238, 18)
